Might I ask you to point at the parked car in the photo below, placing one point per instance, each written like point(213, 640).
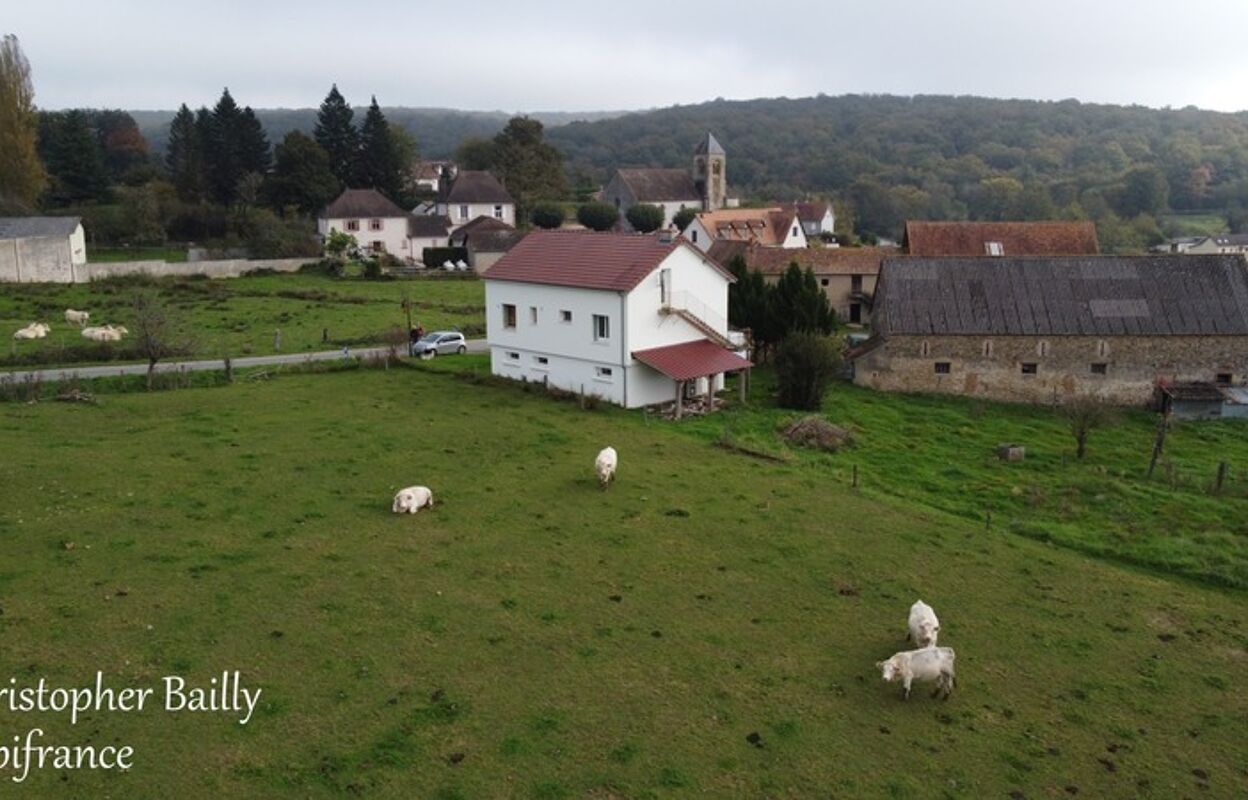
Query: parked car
point(440, 343)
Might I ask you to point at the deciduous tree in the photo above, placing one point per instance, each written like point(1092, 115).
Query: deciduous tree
point(22, 175)
point(598, 216)
point(301, 176)
point(644, 217)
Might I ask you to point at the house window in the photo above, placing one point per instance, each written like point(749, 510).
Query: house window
point(855, 283)
point(374, 224)
point(565, 316)
point(1028, 368)
point(603, 372)
point(925, 349)
point(541, 360)
point(1102, 348)
point(693, 236)
point(987, 348)
point(665, 286)
point(463, 212)
point(513, 356)
point(855, 313)
point(994, 248)
point(378, 246)
point(532, 315)
point(942, 367)
point(1042, 349)
point(353, 224)
point(602, 328)
point(1223, 379)
point(509, 315)
point(498, 212)
point(794, 230)
point(823, 281)
point(1100, 368)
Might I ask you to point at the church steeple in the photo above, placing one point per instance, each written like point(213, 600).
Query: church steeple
point(710, 172)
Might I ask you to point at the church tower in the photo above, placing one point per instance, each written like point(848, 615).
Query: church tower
point(710, 173)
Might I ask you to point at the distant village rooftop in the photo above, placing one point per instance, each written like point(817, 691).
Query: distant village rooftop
point(361, 204)
point(1000, 238)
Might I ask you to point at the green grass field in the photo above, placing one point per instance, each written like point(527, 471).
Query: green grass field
point(534, 637)
point(238, 316)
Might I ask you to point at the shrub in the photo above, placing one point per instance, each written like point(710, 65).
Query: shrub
point(598, 216)
point(645, 218)
point(816, 433)
point(805, 364)
point(547, 215)
point(683, 217)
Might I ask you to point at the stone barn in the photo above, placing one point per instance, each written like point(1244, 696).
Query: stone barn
point(1045, 329)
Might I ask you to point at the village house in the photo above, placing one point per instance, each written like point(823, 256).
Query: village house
point(1236, 243)
point(377, 224)
point(426, 231)
point(427, 174)
point(464, 233)
point(769, 227)
point(673, 189)
point(471, 194)
point(1043, 330)
point(37, 249)
point(637, 319)
point(487, 247)
point(847, 275)
point(1000, 239)
point(817, 217)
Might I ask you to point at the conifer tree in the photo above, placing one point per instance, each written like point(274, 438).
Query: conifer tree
point(253, 144)
point(379, 165)
point(223, 151)
point(336, 134)
point(184, 156)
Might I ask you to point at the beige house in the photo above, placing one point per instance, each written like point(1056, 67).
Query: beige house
point(770, 227)
point(1236, 243)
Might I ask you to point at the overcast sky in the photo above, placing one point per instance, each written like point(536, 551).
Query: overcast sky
point(607, 54)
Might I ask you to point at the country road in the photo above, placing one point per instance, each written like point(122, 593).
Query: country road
point(112, 370)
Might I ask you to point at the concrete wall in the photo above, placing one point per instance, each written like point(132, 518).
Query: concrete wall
point(230, 268)
point(991, 367)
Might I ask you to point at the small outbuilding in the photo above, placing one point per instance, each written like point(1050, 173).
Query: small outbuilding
point(42, 249)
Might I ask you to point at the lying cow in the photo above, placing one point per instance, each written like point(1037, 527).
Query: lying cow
point(923, 665)
point(412, 499)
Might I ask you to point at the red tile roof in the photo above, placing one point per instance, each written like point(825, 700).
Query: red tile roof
point(822, 260)
point(587, 260)
point(1015, 238)
point(696, 359)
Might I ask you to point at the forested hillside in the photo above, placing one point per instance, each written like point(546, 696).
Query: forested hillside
point(895, 158)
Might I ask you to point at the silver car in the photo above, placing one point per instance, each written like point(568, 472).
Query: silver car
point(440, 343)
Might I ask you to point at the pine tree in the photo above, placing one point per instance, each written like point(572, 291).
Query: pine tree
point(22, 176)
point(379, 165)
point(253, 143)
point(74, 158)
point(184, 156)
point(336, 134)
point(223, 157)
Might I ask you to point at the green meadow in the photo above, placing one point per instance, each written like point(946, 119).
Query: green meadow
point(706, 627)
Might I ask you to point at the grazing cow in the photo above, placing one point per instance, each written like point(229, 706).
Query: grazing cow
point(412, 499)
point(925, 664)
point(605, 466)
point(78, 318)
point(923, 627)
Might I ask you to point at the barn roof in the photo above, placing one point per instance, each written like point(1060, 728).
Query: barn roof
point(1075, 295)
point(37, 227)
point(1013, 238)
point(821, 260)
point(587, 260)
point(650, 185)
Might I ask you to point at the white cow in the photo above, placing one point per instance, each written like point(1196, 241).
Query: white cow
point(605, 466)
point(104, 333)
point(923, 626)
point(412, 499)
point(78, 318)
point(923, 665)
point(35, 330)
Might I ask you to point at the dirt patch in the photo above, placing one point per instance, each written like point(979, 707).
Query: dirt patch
point(816, 433)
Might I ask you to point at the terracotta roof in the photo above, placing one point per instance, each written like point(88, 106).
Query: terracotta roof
point(660, 185)
point(723, 251)
point(812, 211)
point(587, 260)
point(1063, 295)
point(1015, 238)
point(767, 226)
point(425, 226)
point(823, 260)
point(475, 186)
point(357, 203)
point(37, 227)
point(689, 360)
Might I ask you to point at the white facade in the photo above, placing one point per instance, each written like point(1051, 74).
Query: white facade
point(557, 337)
point(463, 213)
point(44, 258)
point(794, 237)
point(388, 234)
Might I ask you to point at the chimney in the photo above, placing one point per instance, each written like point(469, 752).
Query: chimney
point(444, 181)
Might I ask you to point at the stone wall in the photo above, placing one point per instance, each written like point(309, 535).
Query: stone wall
point(993, 367)
point(227, 268)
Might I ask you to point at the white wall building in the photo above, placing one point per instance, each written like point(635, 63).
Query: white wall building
point(42, 249)
point(473, 194)
point(376, 223)
point(769, 227)
point(632, 318)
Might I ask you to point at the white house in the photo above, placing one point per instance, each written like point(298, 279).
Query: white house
point(471, 194)
point(42, 249)
point(428, 174)
point(769, 227)
point(818, 217)
point(636, 319)
point(376, 223)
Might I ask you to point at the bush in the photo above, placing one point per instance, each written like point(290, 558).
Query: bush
point(682, 218)
point(547, 215)
point(805, 364)
point(598, 216)
point(816, 433)
point(435, 257)
point(645, 218)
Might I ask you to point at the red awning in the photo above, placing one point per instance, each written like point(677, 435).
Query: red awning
point(690, 360)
